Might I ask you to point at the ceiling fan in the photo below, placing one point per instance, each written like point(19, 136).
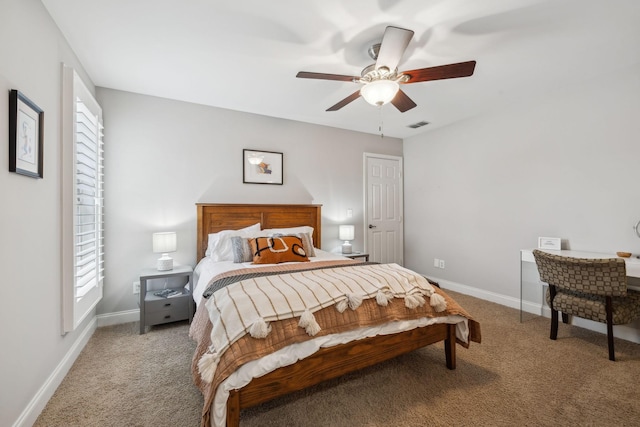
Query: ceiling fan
point(382, 80)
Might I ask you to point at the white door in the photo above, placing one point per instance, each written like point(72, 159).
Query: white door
point(383, 208)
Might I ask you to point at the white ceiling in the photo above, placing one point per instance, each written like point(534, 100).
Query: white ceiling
point(244, 55)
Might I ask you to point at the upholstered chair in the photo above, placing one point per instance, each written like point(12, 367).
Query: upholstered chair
point(594, 289)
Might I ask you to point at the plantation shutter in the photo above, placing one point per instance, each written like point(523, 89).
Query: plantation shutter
point(83, 207)
point(89, 245)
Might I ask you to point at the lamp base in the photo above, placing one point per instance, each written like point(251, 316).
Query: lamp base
point(165, 263)
point(346, 248)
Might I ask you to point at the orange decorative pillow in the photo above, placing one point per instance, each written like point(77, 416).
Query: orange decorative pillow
point(277, 249)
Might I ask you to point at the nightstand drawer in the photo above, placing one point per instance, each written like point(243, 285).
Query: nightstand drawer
point(178, 304)
point(166, 316)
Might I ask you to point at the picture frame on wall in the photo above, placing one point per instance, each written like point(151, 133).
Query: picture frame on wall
point(26, 136)
point(262, 167)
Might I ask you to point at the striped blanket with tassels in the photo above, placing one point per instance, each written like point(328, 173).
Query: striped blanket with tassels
point(247, 306)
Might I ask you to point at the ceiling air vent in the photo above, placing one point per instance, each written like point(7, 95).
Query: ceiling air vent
point(418, 125)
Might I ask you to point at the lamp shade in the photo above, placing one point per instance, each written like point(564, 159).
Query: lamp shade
point(165, 242)
point(380, 92)
point(346, 232)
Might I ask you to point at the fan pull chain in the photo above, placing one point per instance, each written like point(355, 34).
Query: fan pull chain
point(380, 127)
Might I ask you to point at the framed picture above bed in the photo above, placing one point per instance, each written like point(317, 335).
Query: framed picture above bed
point(26, 130)
point(261, 167)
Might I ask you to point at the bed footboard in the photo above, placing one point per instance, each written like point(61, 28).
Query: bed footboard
point(336, 361)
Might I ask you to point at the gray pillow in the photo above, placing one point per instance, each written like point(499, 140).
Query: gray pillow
point(241, 249)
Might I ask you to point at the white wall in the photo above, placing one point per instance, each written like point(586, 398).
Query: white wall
point(163, 156)
point(34, 355)
point(564, 165)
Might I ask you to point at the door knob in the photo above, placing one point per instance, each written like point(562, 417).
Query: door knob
point(372, 226)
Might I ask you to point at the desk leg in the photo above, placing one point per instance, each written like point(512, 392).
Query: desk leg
point(520, 287)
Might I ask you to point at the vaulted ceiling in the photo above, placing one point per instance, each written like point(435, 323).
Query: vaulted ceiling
point(245, 55)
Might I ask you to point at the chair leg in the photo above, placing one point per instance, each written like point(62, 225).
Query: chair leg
point(565, 318)
point(609, 309)
point(554, 313)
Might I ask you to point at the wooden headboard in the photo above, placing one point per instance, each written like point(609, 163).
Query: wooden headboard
point(213, 217)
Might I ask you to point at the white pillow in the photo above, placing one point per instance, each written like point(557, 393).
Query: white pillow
point(291, 230)
point(217, 242)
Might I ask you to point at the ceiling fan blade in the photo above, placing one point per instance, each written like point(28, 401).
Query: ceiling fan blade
point(450, 71)
point(394, 42)
point(355, 95)
point(402, 102)
point(322, 76)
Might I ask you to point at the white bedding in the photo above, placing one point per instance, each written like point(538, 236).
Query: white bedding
point(207, 269)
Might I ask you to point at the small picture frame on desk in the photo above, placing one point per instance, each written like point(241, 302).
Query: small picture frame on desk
point(550, 243)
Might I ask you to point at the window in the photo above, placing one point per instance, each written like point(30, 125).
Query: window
point(82, 201)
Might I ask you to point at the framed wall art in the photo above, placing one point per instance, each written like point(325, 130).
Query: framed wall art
point(261, 167)
point(26, 136)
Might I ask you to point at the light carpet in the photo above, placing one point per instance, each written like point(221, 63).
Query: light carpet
point(517, 376)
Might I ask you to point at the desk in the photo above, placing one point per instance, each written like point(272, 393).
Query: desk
point(526, 255)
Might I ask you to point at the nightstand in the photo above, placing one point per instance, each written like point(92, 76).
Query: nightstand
point(156, 310)
point(355, 255)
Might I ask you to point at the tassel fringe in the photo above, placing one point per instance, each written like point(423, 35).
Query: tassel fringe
point(207, 366)
point(383, 298)
point(342, 305)
point(438, 302)
point(354, 301)
point(413, 301)
point(308, 322)
point(260, 329)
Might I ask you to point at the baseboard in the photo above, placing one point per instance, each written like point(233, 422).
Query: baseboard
point(39, 401)
point(479, 293)
point(119, 317)
point(629, 332)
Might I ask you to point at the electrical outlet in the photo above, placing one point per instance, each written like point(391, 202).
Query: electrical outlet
point(436, 262)
point(349, 213)
point(441, 263)
point(136, 287)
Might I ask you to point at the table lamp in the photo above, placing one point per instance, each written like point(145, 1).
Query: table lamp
point(346, 233)
point(164, 243)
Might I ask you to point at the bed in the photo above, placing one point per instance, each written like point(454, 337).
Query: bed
point(330, 344)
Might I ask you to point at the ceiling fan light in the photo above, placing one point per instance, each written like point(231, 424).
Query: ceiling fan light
point(379, 92)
